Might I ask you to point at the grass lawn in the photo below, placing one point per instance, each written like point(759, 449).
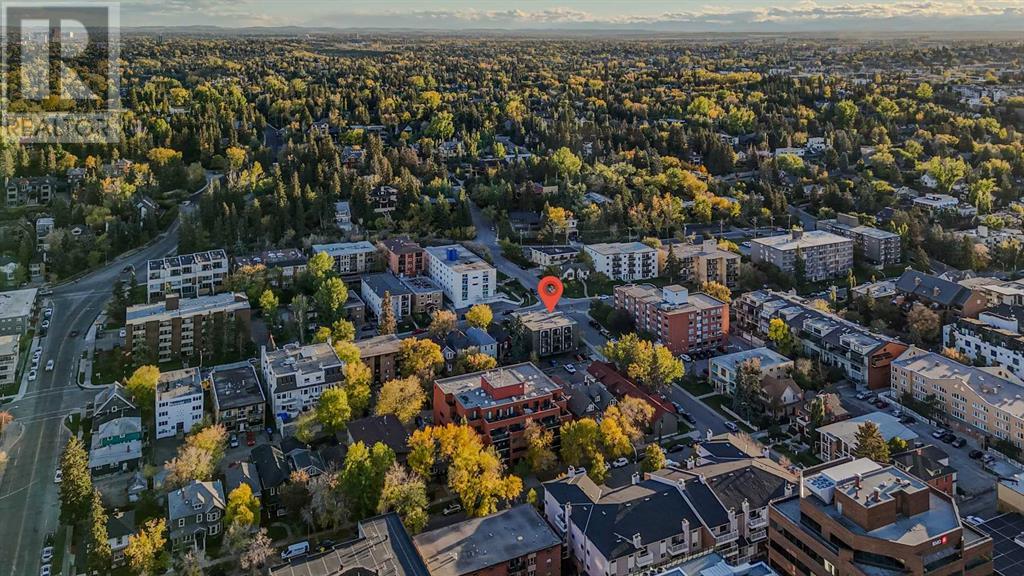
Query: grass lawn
point(697, 386)
point(59, 543)
point(805, 458)
point(717, 402)
point(277, 532)
point(109, 366)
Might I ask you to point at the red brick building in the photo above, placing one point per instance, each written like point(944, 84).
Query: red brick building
point(931, 464)
point(498, 403)
point(405, 257)
point(684, 322)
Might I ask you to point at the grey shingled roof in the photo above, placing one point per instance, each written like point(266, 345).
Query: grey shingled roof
point(932, 288)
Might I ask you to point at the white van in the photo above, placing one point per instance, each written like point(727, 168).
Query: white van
point(297, 549)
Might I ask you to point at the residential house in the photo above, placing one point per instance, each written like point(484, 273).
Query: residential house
point(950, 299)
point(839, 440)
point(120, 527)
point(195, 512)
point(295, 376)
point(405, 257)
point(179, 402)
point(273, 471)
point(385, 429)
point(930, 464)
point(545, 256)
point(284, 266)
point(723, 371)
point(550, 333)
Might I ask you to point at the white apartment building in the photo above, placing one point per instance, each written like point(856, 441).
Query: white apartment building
point(179, 402)
point(296, 376)
point(8, 358)
point(465, 278)
point(350, 257)
point(373, 287)
point(993, 338)
point(16, 310)
point(825, 255)
point(188, 275)
point(628, 261)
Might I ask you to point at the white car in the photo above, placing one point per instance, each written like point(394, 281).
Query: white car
point(570, 368)
point(685, 358)
point(670, 463)
point(37, 354)
point(732, 426)
point(49, 365)
point(974, 520)
point(938, 433)
point(620, 463)
point(46, 324)
point(58, 476)
point(32, 375)
point(452, 509)
point(45, 570)
point(297, 549)
point(122, 333)
point(47, 554)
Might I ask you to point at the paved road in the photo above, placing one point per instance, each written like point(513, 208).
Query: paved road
point(28, 497)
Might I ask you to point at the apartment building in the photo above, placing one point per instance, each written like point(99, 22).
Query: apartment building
point(545, 256)
point(497, 404)
point(863, 356)
point(350, 258)
point(517, 541)
point(666, 517)
point(723, 370)
point(8, 358)
point(465, 278)
point(981, 401)
point(426, 294)
point(627, 261)
point(373, 288)
point(405, 257)
point(16, 311)
point(29, 190)
point(187, 276)
point(706, 262)
point(380, 354)
point(993, 338)
point(878, 247)
point(183, 327)
point(179, 402)
point(839, 440)
point(858, 518)
point(296, 376)
point(550, 333)
point(683, 322)
point(284, 266)
point(238, 400)
point(825, 255)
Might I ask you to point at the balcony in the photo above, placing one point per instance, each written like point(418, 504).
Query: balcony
point(727, 537)
point(757, 522)
point(678, 548)
point(758, 535)
point(645, 560)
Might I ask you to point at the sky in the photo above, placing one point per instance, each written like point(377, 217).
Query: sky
point(652, 15)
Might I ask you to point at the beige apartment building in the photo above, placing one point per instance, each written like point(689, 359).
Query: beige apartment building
point(825, 255)
point(982, 401)
point(706, 262)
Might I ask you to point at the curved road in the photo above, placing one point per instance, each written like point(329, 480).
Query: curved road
point(29, 504)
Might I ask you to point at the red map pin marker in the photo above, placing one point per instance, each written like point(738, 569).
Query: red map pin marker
point(550, 290)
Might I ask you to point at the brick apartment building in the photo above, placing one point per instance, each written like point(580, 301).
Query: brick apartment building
point(182, 327)
point(858, 518)
point(684, 322)
point(405, 257)
point(497, 404)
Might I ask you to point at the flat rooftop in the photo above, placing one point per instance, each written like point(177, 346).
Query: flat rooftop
point(227, 301)
point(458, 258)
point(272, 258)
point(809, 239)
point(9, 344)
point(344, 248)
point(769, 358)
point(420, 285)
point(555, 250)
point(655, 296)
point(177, 383)
point(384, 282)
point(187, 259)
point(478, 543)
point(612, 249)
point(468, 388)
point(542, 320)
point(293, 358)
point(236, 385)
point(17, 303)
point(386, 344)
point(888, 425)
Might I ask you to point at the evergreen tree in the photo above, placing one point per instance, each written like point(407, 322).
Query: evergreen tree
point(388, 324)
point(99, 547)
point(871, 444)
point(76, 484)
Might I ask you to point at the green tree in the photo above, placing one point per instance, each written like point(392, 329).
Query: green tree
point(268, 304)
point(332, 409)
point(330, 299)
point(981, 193)
point(142, 385)
point(673, 265)
point(565, 163)
point(320, 266)
point(98, 545)
point(388, 324)
point(779, 334)
point(947, 171)
point(845, 114)
point(745, 399)
point(362, 477)
point(870, 443)
point(923, 324)
point(76, 484)
point(654, 458)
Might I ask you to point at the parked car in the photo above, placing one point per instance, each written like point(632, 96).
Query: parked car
point(452, 509)
point(907, 419)
point(975, 454)
point(46, 324)
point(948, 437)
point(37, 354)
point(32, 375)
point(74, 333)
point(670, 463)
point(122, 333)
point(938, 434)
point(45, 570)
point(879, 403)
point(685, 358)
point(250, 438)
point(620, 463)
point(677, 448)
point(570, 368)
point(58, 476)
point(47, 554)
point(974, 520)
point(594, 324)
point(297, 549)
point(234, 441)
point(958, 443)
point(862, 395)
point(732, 426)
point(679, 407)
point(689, 418)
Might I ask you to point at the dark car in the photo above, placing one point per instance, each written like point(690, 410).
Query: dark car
point(677, 448)
point(689, 418)
point(958, 443)
point(975, 454)
point(880, 404)
point(74, 333)
point(948, 438)
point(907, 420)
point(594, 323)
